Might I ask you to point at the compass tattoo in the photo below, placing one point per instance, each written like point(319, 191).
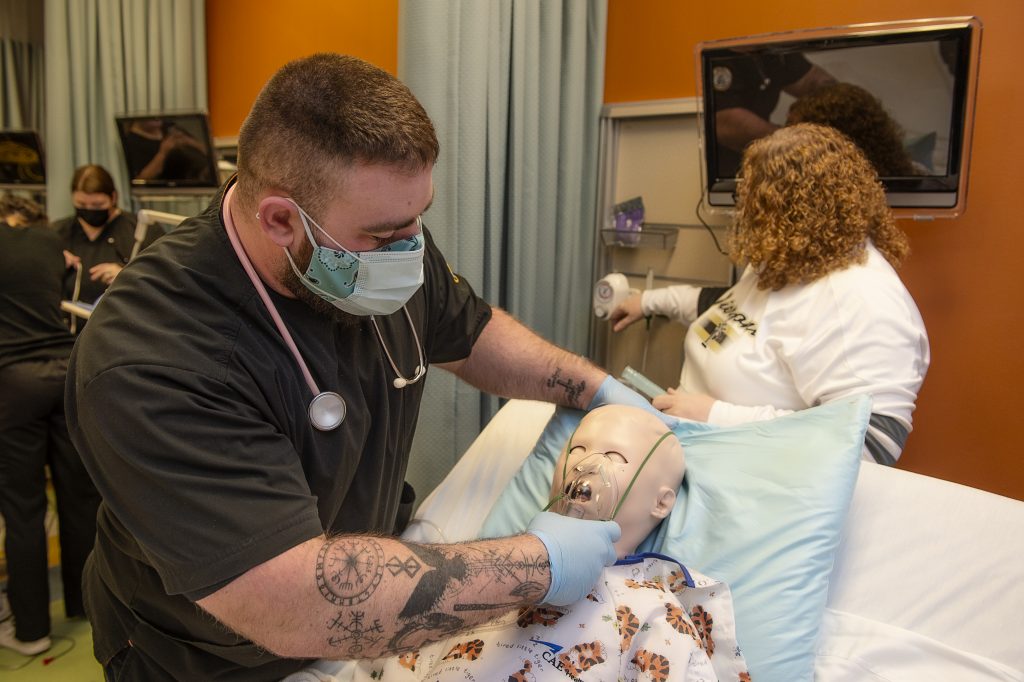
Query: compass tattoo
point(349, 570)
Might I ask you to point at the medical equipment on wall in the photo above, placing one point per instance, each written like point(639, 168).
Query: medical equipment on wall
point(609, 292)
point(613, 289)
point(327, 410)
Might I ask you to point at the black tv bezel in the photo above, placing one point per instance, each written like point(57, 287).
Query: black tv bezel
point(37, 146)
point(925, 196)
point(203, 118)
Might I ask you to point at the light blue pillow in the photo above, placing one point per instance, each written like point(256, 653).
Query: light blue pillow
point(761, 508)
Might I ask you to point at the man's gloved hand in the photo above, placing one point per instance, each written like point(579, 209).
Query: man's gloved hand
point(578, 549)
point(614, 392)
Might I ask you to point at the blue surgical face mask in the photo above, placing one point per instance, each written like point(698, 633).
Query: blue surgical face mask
point(376, 282)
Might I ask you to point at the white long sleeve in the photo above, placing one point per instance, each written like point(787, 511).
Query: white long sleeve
point(766, 353)
point(677, 302)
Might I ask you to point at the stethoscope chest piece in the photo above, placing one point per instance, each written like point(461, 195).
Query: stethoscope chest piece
point(327, 411)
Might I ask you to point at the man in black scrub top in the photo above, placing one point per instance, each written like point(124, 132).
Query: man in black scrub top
point(236, 540)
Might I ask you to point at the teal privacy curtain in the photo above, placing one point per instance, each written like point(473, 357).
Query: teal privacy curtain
point(107, 57)
point(21, 65)
point(514, 88)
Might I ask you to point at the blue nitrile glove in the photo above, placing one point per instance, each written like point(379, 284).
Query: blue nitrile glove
point(614, 392)
point(578, 550)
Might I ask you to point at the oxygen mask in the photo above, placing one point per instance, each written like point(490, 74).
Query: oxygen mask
point(589, 490)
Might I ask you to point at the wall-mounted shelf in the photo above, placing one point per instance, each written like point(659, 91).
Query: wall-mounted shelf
point(651, 236)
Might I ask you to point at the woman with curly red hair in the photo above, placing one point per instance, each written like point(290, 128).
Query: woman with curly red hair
point(819, 312)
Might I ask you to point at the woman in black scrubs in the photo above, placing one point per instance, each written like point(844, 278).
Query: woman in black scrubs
point(34, 349)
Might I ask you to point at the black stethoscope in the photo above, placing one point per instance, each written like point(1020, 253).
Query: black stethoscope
point(327, 410)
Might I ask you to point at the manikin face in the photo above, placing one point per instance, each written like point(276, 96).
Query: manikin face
point(601, 463)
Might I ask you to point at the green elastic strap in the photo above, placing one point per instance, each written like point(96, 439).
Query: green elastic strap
point(642, 465)
point(565, 469)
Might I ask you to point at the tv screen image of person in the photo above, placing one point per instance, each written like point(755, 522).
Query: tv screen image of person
point(902, 91)
point(21, 159)
point(168, 150)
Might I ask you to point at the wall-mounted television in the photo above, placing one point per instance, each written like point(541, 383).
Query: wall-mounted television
point(903, 91)
point(165, 151)
point(22, 163)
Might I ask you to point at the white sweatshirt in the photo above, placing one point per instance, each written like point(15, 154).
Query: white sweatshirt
point(762, 354)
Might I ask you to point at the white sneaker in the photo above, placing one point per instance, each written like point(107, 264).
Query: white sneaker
point(9, 641)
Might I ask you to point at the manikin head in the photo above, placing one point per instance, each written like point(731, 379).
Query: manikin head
point(622, 463)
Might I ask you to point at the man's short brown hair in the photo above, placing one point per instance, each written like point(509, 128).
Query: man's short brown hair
point(321, 114)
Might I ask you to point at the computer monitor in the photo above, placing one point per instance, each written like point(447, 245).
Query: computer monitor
point(168, 151)
point(914, 80)
point(22, 163)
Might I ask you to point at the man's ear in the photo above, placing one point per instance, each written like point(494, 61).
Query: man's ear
point(279, 219)
point(664, 502)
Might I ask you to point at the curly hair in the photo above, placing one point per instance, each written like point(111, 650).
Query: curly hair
point(807, 203)
point(21, 207)
point(859, 115)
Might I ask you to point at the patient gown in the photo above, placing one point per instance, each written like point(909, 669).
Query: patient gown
point(645, 620)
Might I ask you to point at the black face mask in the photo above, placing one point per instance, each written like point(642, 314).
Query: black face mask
point(97, 217)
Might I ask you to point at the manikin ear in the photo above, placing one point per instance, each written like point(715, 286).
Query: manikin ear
point(664, 502)
point(279, 219)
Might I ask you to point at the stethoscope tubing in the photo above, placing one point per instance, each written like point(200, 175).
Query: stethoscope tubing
point(327, 410)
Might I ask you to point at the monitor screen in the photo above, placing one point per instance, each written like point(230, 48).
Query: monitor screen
point(21, 159)
point(903, 92)
point(168, 150)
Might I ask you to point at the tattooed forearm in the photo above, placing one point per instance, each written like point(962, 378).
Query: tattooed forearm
point(572, 389)
point(384, 596)
point(363, 596)
point(441, 593)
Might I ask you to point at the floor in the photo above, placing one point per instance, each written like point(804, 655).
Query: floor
point(70, 658)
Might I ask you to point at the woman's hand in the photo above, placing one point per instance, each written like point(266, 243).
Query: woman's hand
point(71, 260)
point(693, 406)
point(104, 272)
point(626, 313)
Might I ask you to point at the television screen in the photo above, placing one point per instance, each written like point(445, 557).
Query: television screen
point(21, 159)
point(168, 150)
point(903, 92)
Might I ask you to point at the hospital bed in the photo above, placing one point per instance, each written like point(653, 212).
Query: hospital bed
point(928, 580)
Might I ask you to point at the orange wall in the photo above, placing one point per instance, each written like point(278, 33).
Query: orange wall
point(965, 274)
point(246, 42)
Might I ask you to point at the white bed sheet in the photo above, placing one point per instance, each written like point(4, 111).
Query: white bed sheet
point(936, 558)
point(856, 649)
point(920, 555)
